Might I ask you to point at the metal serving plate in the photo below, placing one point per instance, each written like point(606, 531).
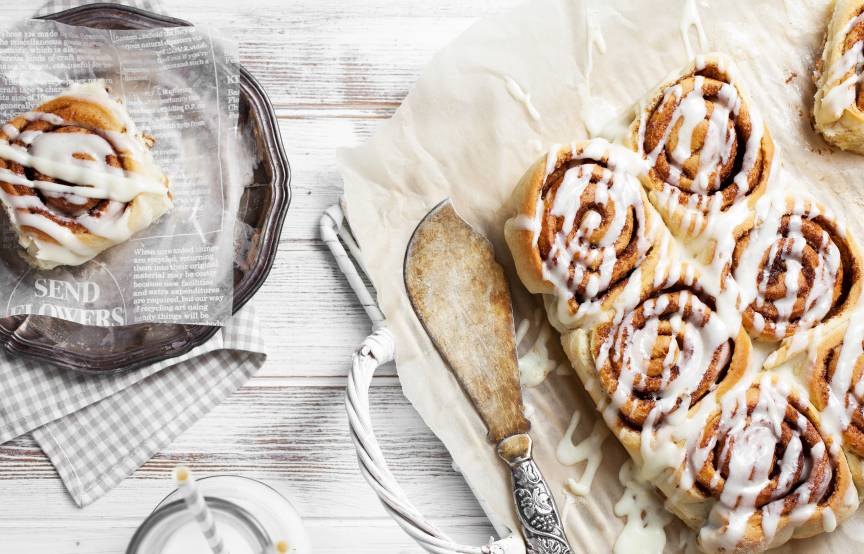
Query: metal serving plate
point(263, 206)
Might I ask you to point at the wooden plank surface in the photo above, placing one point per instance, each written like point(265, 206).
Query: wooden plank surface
point(334, 71)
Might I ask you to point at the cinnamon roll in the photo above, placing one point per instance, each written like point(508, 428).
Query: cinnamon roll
point(838, 109)
point(833, 373)
point(648, 366)
point(707, 148)
point(584, 230)
point(795, 268)
point(76, 178)
point(766, 468)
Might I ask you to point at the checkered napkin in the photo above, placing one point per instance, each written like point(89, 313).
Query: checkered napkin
point(98, 430)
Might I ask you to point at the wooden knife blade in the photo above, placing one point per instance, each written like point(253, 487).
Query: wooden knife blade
point(462, 299)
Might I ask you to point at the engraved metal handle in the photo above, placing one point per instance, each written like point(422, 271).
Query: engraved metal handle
point(541, 523)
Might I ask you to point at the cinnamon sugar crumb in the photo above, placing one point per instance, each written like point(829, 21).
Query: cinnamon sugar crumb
point(792, 76)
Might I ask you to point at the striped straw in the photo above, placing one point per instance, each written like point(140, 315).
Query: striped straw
point(195, 502)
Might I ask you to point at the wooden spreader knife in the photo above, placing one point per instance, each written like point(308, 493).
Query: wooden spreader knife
point(462, 299)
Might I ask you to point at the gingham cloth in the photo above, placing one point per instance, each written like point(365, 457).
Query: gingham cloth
point(98, 430)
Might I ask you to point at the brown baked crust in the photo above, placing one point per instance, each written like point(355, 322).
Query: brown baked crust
point(609, 201)
point(686, 205)
point(803, 466)
point(800, 223)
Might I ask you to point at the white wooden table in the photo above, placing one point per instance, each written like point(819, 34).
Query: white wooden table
point(334, 70)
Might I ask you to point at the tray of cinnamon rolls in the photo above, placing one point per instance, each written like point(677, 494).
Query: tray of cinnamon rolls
point(78, 183)
point(706, 306)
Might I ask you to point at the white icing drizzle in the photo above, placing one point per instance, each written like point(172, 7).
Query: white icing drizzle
point(749, 448)
point(588, 450)
point(618, 194)
point(59, 156)
point(843, 395)
point(690, 19)
point(519, 94)
point(595, 111)
point(536, 362)
point(767, 242)
point(643, 531)
point(694, 340)
point(703, 212)
point(841, 79)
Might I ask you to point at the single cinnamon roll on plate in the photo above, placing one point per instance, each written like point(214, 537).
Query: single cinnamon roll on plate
point(584, 230)
point(768, 470)
point(709, 154)
point(838, 109)
point(796, 268)
point(76, 178)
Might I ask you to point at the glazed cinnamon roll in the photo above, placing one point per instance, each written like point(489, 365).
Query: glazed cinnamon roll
point(764, 464)
point(584, 229)
point(795, 269)
point(648, 366)
point(706, 146)
point(834, 378)
point(76, 178)
point(838, 110)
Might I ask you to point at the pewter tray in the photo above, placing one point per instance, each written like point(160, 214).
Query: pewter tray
point(106, 350)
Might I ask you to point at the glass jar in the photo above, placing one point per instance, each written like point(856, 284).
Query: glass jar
point(250, 515)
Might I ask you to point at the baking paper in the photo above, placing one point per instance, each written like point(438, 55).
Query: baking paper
point(494, 101)
point(180, 86)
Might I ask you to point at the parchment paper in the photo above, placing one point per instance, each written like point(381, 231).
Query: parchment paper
point(180, 86)
point(461, 133)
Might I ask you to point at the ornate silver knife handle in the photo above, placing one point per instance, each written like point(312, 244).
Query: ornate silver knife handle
point(541, 523)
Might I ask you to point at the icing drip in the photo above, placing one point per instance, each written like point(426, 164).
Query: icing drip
point(588, 450)
point(645, 515)
point(519, 94)
point(690, 19)
point(537, 361)
point(603, 231)
point(595, 111)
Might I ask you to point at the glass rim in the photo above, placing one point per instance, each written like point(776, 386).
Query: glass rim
point(164, 511)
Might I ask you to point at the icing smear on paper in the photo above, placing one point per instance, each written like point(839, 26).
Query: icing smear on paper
point(645, 516)
point(587, 450)
point(536, 362)
point(595, 111)
point(519, 94)
point(690, 19)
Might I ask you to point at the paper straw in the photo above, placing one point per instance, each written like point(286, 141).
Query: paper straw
point(195, 502)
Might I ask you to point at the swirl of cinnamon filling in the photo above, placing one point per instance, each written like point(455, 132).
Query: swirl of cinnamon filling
point(764, 459)
point(583, 227)
point(668, 352)
point(707, 149)
point(796, 268)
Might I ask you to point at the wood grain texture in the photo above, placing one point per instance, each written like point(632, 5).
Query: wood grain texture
point(334, 70)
